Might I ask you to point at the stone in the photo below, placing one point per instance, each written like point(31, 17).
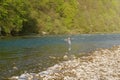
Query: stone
point(100, 65)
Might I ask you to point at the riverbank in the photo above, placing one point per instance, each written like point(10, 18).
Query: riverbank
point(100, 65)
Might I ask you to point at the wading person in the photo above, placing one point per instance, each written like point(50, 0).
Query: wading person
point(69, 43)
point(68, 40)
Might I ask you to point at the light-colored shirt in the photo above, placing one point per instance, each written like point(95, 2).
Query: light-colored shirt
point(69, 40)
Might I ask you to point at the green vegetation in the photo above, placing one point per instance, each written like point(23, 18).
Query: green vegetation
point(59, 16)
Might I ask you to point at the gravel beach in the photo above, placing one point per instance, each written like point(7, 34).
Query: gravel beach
point(103, 64)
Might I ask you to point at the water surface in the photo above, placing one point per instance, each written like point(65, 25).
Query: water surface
point(36, 53)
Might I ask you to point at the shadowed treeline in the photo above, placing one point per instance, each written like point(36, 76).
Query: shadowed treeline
point(59, 16)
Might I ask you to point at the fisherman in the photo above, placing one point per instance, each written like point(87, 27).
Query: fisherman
point(68, 40)
point(69, 43)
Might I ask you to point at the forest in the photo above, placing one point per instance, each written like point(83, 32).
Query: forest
point(20, 17)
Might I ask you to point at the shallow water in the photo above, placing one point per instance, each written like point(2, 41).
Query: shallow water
point(35, 53)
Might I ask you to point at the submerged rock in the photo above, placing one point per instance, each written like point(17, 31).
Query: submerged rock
point(65, 57)
point(100, 65)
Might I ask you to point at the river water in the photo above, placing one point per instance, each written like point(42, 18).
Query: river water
point(36, 53)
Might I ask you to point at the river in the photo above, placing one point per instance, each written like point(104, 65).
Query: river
point(37, 53)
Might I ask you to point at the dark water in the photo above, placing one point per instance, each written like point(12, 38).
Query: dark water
point(33, 53)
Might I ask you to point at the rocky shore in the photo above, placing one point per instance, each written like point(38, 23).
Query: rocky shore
point(100, 65)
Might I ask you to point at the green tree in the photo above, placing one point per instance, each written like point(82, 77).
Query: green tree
point(12, 15)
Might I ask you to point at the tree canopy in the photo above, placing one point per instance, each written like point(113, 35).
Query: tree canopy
point(59, 16)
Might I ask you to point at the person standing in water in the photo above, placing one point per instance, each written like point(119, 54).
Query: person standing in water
point(68, 40)
point(69, 43)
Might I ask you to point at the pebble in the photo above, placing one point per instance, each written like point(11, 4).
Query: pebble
point(100, 65)
point(65, 57)
point(15, 68)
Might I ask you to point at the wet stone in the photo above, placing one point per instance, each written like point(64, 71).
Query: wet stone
point(100, 65)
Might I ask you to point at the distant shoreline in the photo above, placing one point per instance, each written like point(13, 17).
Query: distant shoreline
point(32, 34)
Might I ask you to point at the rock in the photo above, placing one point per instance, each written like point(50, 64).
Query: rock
point(100, 65)
point(14, 78)
point(15, 68)
point(52, 57)
point(23, 77)
point(65, 57)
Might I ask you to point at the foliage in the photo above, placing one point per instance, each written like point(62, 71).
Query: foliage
point(12, 15)
point(59, 16)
